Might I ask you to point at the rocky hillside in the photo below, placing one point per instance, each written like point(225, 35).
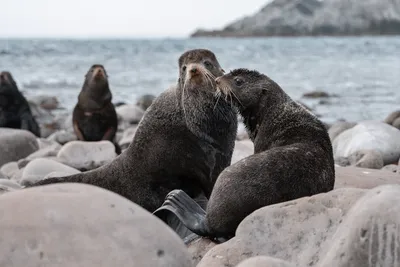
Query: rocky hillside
point(313, 17)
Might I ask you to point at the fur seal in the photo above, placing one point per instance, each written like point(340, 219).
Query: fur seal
point(292, 158)
point(15, 111)
point(184, 140)
point(94, 117)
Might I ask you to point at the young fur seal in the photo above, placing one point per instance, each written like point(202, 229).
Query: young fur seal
point(185, 139)
point(292, 158)
point(14, 108)
point(94, 117)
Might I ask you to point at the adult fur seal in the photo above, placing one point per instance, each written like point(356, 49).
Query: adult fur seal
point(14, 108)
point(94, 117)
point(292, 158)
point(184, 140)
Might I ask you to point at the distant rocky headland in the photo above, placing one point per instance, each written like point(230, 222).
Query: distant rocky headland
point(313, 18)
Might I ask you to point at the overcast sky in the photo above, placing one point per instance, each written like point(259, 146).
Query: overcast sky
point(118, 18)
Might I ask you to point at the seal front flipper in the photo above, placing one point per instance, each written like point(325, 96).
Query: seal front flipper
point(187, 210)
point(109, 133)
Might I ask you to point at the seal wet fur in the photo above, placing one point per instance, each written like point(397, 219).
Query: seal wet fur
point(184, 140)
point(292, 158)
point(94, 117)
point(14, 108)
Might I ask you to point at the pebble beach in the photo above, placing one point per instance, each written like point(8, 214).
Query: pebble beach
point(356, 224)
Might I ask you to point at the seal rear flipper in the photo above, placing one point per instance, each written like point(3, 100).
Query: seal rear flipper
point(186, 209)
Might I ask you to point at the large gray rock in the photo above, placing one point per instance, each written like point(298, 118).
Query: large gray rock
point(393, 119)
point(364, 158)
point(369, 135)
point(293, 231)
point(11, 170)
point(83, 155)
point(16, 144)
point(369, 235)
point(313, 17)
point(62, 137)
point(82, 225)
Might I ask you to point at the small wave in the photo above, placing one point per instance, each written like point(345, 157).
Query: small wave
point(5, 52)
point(50, 85)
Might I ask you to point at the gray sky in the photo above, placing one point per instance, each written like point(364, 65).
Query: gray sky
point(118, 18)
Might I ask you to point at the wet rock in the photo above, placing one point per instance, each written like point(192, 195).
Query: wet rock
point(89, 221)
point(243, 149)
point(264, 261)
point(37, 169)
point(87, 155)
point(127, 137)
point(369, 135)
point(62, 137)
point(316, 94)
point(145, 101)
point(339, 127)
point(16, 144)
point(130, 113)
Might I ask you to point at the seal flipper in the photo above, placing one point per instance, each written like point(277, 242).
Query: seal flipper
point(187, 210)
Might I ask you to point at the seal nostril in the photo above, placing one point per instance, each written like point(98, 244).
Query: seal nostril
point(193, 70)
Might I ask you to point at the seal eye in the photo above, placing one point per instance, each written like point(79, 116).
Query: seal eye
point(208, 64)
point(184, 68)
point(238, 81)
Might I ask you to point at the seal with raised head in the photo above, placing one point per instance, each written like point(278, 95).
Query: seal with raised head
point(292, 158)
point(15, 111)
point(94, 117)
point(184, 140)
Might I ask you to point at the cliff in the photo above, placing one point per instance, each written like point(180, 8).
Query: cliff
point(313, 17)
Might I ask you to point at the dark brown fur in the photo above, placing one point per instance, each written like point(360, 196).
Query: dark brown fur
point(292, 153)
point(15, 111)
point(94, 117)
point(184, 140)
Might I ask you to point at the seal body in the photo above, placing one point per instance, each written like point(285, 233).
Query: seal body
point(292, 158)
point(184, 140)
point(14, 108)
point(94, 117)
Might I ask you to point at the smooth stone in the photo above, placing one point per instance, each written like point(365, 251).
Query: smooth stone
point(37, 169)
point(83, 155)
point(46, 102)
point(366, 159)
point(56, 174)
point(16, 144)
point(393, 119)
point(10, 184)
point(48, 151)
point(127, 137)
point(62, 137)
point(145, 101)
point(242, 132)
point(369, 135)
point(11, 170)
point(391, 168)
point(83, 225)
point(130, 113)
point(47, 129)
point(243, 149)
point(199, 247)
point(264, 261)
point(369, 235)
point(339, 127)
point(355, 177)
point(40, 114)
point(66, 122)
point(293, 231)
point(3, 176)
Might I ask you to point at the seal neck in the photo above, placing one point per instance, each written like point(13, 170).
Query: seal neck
point(94, 96)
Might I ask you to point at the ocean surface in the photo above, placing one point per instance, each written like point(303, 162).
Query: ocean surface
point(363, 72)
